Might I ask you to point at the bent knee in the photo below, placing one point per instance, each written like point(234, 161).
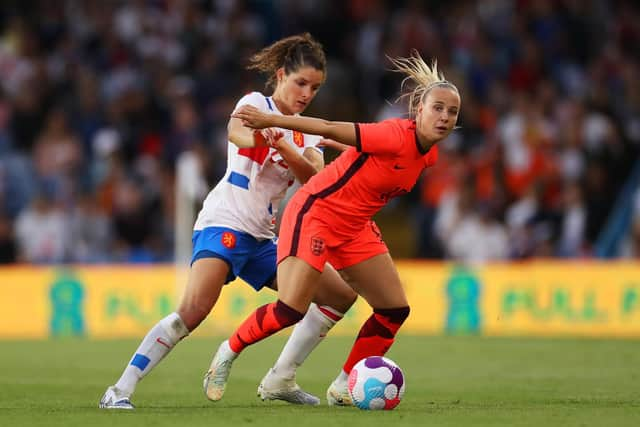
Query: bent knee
point(345, 301)
point(192, 315)
point(341, 299)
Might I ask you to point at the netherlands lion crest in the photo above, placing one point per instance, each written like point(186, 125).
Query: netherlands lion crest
point(228, 240)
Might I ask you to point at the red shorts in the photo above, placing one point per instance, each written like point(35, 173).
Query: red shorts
point(307, 236)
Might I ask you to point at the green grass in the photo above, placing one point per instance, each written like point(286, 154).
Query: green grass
point(451, 381)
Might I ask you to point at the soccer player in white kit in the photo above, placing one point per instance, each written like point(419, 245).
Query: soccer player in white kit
point(234, 233)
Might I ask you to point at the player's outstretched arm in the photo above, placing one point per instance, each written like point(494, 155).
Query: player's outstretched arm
point(344, 132)
point(245, 137)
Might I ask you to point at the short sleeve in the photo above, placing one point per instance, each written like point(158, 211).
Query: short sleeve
point(256, 99)
point(312, 141)
point(385, 137)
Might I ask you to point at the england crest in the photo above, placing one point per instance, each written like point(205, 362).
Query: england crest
point(317, 245)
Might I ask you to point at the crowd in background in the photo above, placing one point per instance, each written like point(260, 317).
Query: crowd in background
point(98, 99)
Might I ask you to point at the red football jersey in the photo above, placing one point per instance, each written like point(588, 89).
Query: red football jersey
point(386, 162)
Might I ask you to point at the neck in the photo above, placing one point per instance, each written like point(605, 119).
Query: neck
point(424, 142)
point(282, 107)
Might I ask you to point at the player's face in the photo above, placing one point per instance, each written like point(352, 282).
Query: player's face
point(295, 90)
point(438, 113)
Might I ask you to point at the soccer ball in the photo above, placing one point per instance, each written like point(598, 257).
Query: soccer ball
point(376, 383)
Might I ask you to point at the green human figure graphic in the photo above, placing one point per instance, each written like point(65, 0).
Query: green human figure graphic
point(67, 313)
point(463, 293)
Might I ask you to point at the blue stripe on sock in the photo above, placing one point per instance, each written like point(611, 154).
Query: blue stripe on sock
point(239, 180)
point(140, 361)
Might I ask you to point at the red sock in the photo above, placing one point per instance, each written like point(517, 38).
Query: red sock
point(263, 322)
point(376, 335)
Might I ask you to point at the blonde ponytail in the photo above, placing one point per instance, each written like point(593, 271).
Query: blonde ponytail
point(422, 76)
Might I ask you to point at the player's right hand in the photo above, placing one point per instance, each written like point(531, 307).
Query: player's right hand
point(251, 117)
point(271, 137)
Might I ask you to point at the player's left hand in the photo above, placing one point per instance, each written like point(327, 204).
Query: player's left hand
point(251, 117)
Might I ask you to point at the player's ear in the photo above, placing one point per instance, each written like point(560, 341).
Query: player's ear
point(280, 74)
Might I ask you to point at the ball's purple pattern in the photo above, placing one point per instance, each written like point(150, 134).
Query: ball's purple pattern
point(374, 362)
point(378, 361)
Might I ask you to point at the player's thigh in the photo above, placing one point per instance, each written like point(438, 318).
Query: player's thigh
point(377, 281)
point(206, 278)
point(333, 291)
point(297, 283)
point(364, 245)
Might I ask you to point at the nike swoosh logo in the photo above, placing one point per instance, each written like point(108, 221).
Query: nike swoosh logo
point(398, 167)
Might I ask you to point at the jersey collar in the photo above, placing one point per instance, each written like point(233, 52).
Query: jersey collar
point(272, 104)
point(421, 150)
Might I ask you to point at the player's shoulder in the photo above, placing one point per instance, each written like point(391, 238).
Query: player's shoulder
point(403, 124)
point(397, 121)
point(395, 124)
point(405, 129)
point(255, 98)
point(253, 95)
point(390, 124)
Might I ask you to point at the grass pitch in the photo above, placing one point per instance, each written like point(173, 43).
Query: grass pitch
point(451, 381)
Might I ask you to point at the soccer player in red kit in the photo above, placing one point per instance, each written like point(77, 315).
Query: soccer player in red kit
point(329, 218)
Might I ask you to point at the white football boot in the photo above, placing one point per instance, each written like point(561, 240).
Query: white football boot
point(338, 394)
point(215, 380)
point(113, 399)
point(275, 387)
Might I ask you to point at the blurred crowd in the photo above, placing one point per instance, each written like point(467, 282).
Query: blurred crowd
point(99, 99)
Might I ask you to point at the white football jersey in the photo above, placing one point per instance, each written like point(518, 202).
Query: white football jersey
point(248, 196)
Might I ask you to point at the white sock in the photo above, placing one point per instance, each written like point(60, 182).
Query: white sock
point(342, 378)
point(154, 347)
point(225, 353)
point(306, 335)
